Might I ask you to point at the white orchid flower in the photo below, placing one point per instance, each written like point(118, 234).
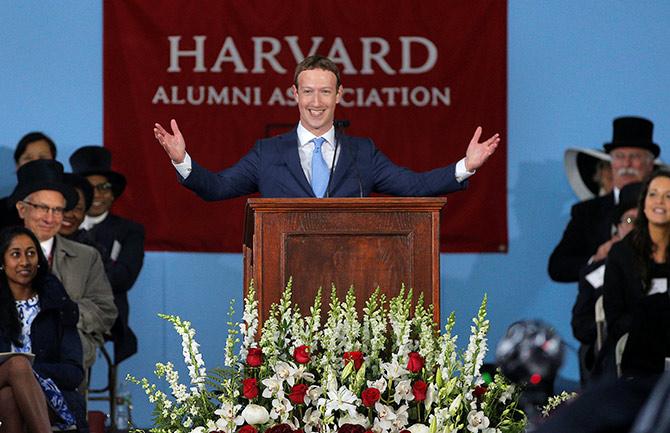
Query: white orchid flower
point(385, 416)
point(403, 391)
point(477, 421)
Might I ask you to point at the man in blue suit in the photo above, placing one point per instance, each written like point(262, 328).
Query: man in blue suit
point(315, 159)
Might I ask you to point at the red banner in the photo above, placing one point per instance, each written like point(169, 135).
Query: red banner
point(419, 77)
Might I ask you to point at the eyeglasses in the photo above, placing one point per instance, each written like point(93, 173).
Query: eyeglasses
point(103, 187)
point(43, 209)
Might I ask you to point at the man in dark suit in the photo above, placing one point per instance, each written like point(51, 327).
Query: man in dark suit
point(315, 159)
point(121, 239)
point(589, 235)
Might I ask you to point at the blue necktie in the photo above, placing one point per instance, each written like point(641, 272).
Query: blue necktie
point(320, 170)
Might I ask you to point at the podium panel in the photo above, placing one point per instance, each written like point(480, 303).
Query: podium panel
point(364, 242)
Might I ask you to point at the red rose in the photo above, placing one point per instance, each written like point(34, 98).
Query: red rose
point(297, 394)
point(370, 396)
point(301, 354)
point(479, 391)
point(404, 431)
point(351, 428)
point(247, 429)
point(357, 357)
point(250, 388)
point(280, 428)
point(254, 357)
point(415, 362)
point(419, 390)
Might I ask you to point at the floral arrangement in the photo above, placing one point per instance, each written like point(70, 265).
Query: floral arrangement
point(554, 402)
point(385, 372)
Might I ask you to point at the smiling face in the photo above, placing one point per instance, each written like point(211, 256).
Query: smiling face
point(103, 197)
point(317, 95)
point(73, 218)
point(657, 201)
point(42, 213)
point(630, 164)
point(20, 262)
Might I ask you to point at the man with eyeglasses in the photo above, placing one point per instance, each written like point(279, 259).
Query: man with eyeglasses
point(41, 197)
point(122, 239)
point(589, 235)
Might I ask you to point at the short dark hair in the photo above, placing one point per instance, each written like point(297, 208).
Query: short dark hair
point(317, 62)
point(32, 137)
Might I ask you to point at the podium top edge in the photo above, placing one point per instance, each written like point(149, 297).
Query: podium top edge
point(349, 202)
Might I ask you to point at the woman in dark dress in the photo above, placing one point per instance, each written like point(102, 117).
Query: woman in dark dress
point(636, 283)
point(37, 317)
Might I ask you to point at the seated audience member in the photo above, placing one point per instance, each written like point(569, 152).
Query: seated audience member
point(637, 272)
point(72, 219)
point(589, 172)
point(588, 235)
point(32, 146)
point(591, 282)
point(41, 197)
point(122, 239)
point(38, 317)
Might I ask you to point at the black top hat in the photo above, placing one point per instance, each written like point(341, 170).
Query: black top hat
point(633, 132)
point(89, 160)
point(79, 182)
point(42, 174)
point(629, 196)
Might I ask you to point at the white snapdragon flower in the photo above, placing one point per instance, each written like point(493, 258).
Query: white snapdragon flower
point(403, 391)
point(255, 414)
point(507, 394)
point(199, 429)
point(341, 400)
point(477, 421)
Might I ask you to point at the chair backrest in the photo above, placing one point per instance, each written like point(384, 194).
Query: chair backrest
point(601, 324)
point(618, 352)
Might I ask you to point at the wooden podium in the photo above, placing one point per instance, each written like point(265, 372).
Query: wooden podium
point(365, 242)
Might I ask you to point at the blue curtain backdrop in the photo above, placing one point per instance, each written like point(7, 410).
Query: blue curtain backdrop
point(573, 67)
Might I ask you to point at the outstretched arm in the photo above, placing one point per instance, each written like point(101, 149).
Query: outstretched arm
point(477, 153)
point(174, 143)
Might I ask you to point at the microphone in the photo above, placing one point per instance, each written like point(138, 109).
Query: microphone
point(339, 126)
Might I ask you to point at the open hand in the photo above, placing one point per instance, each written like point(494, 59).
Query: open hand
point(174, 143)
point(477, 153)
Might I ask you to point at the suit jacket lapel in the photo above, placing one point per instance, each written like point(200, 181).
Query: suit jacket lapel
point(288, 148)
point(342, 166)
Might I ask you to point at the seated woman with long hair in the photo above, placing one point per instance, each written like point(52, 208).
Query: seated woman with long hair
point(38, 317)
point(636, 297)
